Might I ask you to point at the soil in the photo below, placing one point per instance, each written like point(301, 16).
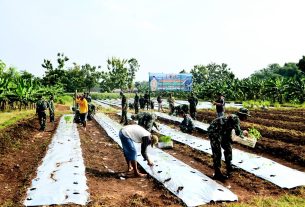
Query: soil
point(244, 184)
point(23, 148)
point(109, 183)
point(21, 157)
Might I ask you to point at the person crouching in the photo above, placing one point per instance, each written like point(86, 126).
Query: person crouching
point(135, 133)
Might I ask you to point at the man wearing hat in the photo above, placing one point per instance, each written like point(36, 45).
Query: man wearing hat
point(193, 100)
point(146, 120)
point(135, 133)
point(219, 133)
point(220, 105)
point(41, 106)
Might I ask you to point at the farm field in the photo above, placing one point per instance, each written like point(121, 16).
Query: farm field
point(110, 185)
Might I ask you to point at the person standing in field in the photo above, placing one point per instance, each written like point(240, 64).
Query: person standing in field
point(159, 100)
point(220, 105)
point(220, 132)
point(136, 103)
point(142, 102)
point(147, 99)
point(41, 106)
point(171, 103)
point(51, 109)
point(193, 100)
point(135, 133)
point(83, 110)
point(124, 109)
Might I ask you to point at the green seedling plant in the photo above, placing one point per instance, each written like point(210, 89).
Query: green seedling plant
point(165, 139)
point(255, 133)
point(68, 119)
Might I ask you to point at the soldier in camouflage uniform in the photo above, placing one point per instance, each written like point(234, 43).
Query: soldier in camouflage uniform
point(146, 120)
point(41, 107)
point(51, 109)
point(136, 103)
point(193, 100)
point(124, 109)
point(187, 125)
point(171, 103)
point(181, 108)
point(219, 133)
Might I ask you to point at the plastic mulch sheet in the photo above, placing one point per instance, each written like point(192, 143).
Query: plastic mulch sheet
point(267, 169)
point(262, 167)
point(190, 185)
point(197, 124)
point(61, 176)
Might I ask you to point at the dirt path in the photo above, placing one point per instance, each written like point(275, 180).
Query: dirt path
point(19, 161)
point(109, 184)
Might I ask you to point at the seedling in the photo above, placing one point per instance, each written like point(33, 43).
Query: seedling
point(255, 133)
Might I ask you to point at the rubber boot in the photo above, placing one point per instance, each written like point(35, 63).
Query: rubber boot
point(230, 169)
point(219, 176)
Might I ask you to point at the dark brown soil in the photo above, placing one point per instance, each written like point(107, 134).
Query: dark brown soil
point(25, 147)
point(105, 168)
point(244, 184)
point(269, 128)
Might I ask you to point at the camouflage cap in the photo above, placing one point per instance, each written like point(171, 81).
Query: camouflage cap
point(243, 111)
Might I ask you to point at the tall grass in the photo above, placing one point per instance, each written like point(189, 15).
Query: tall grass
point(9, 118)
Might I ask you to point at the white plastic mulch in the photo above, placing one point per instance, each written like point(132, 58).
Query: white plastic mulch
point(61, 176)
point(262, 167)
point(190, 185)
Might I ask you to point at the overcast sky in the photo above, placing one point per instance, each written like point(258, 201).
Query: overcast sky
point(163, 35)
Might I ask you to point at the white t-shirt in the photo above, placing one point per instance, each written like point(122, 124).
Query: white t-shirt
point(135, 132)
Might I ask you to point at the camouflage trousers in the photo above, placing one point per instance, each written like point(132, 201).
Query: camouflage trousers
point(193, 112)
point(186, 129)
point(124, 117)
point(217, 142)
point(42, 120)
point(136, 108)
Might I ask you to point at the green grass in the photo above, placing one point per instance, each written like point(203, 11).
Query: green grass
point(9, 118)
point(282, 201)
point(66, 100)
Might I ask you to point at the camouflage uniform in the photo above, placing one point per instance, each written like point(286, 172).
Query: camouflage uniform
point(187, 125)
point(124, 110)
point(146, 100)
point(136, 103)
point(41, 106)
point(219, 133)
point(183, 107)
point(171, 102)
point(146, 120)
point(51, 110)
point(142, 102)
point(193, 100)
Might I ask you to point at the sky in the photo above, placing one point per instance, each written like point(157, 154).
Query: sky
point(163, 35)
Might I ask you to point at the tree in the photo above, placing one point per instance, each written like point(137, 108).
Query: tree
point(301, 64)
point(120, 74)
point(91, 76)
point(54, 76)
point(142, 86)
point(133, 68)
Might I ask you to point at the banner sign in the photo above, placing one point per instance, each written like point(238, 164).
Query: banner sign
point(170, 82)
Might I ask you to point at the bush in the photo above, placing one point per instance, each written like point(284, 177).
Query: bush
point(66, 99)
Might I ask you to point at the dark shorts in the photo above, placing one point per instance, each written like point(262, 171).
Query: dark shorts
point(129, 149)
point(83, 117)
